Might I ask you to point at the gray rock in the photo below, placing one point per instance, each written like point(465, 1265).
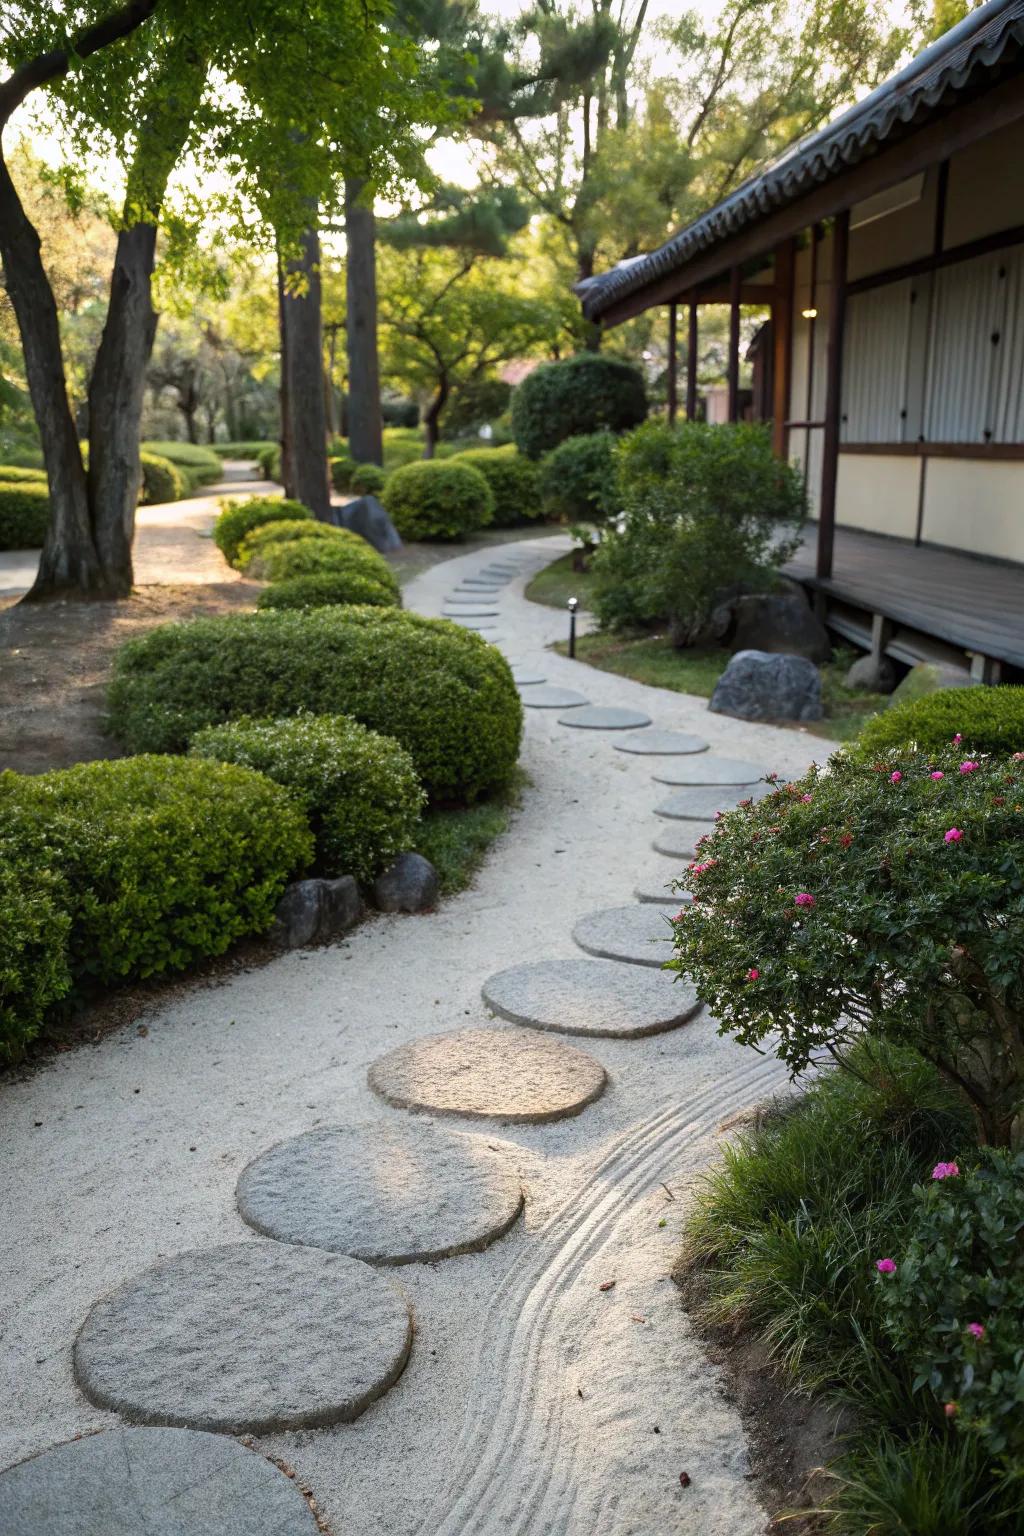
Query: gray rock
point(928, 677)
point(249, 1337)
point(399, 1192)
point(662, 744)
point(311, 911)
point(164, 1482)
point(367, 517)
point(602, 717)
point(410, 885)
point(590, 997)
point(875, 674)
point(780, 623)
point(638, 935)
point(762, 685)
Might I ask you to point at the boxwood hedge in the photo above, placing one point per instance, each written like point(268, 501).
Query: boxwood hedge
point(359, 789)
point(441, 691)
point(431, 499)
point(199, 465)
point(987, 720)
point(161, 480)
point(327, 589)
point(578, 395)
point(512, 479)
point(317, 555)
point(34, 927)
point(239, 518)
point(24, 514)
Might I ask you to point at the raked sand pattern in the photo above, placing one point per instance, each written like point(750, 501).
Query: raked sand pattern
point(533, 1372)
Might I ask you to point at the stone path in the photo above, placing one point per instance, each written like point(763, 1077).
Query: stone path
point(316, 1100)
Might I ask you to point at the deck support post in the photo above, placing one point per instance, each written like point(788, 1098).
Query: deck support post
point(734, 345)
point(782, 346)
point(691, 363)
point(833, 392)
point(673, 363)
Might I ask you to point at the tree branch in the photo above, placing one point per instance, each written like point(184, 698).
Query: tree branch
point(39, 71)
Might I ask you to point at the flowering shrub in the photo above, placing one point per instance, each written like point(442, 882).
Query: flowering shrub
point(864, 905)
point(955, 1302)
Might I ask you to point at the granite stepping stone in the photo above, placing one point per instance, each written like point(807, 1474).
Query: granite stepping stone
point(248, 1337)
point(479, 625)
point(657, 890)
point(706, 769)
point(394, 1193)
point(577, 996)
point(491, 583)
point(466, 599)
point(600, 717)
point(550, 697)
point(161, 1482)
point(679, 841)
point(638, 935)
point(526, 679)
point(461, 614)
point(498, 1074)
point(703, 804)
point(662, 744)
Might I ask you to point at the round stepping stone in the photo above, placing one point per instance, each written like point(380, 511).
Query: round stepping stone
point(662, 744)
point(550, 697)
point(679, 841)
point(599, 717)
point(247, 1337)
point(495, 1074)
point(465, 600)
point(706, 769)
point(461, 614)
point(590, 997)
point(703, 804)
point(488, 583)
point(164, 1482)
point(639, 935)
point(657, 890)
point(479, 626)
point(395, 1193)
point(524, 679)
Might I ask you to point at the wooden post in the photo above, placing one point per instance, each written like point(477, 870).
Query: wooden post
point(673, 364)
point(833, 393)
point(691, 363)
point(734, 344)
point(782, 338)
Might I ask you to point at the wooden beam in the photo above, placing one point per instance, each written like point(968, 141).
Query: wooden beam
point(691, 363)
point(938, 140)
point(673, 363)
point(1001, 240)
point(1011, 452)
point(721, 293)
point(833, 394)
point(782, 338)
point(734, 345)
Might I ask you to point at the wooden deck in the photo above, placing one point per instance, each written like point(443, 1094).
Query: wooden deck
point(918, 593)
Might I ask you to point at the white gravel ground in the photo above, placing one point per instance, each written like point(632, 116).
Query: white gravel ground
point(532, 1399)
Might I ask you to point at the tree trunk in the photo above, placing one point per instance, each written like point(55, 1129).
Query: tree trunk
point(287, 479)
point(304, 370)
point(365, 429)
point(432, 418)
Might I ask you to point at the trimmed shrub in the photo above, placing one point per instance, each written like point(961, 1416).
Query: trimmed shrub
point(161, 861)
point(34, 927)
point(16, 474)
point(577, 479)
point(240, 450)
point(881, 901)
point(239, 518)
point(441, 691)
point(986, 719)
point(341, 468)
point(432, 500)
point(286, 532)
point(328, 589)
point(161, 480)
point(24, 514)
point(367, 479)
point(199, 465)
point(402, 445)
point(400, 413)
point(512, 479)
point(358, 789)
point(579, 395)
point(703, 507)
point(314, 557)
point(269, 461)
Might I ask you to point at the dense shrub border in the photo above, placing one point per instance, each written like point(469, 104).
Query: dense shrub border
point(34, 926)
point(239, 518)
point(441, 691)
point(434, 499)
point(317, 556)
point(286, 531)
point(24, 514)
point(984, 719)
point(328, 589)
point(367, 479)
point(161, 480)
point(512, 479)
point(199, 465)
point(576, 396)
point(577, 479)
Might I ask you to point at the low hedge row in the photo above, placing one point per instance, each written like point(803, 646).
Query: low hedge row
point(441, 691)
point(318, 556)
point(16, 474)
point(326, 589)
point(161, 480)
point(199, 465)
point(24, 514)
point(434, 499)
point(240, 518)
point(985, 719)
point(246, 450)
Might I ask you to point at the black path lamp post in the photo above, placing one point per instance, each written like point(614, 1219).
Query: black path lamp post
point(574, 603)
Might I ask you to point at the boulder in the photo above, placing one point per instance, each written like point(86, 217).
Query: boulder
point(764, 685)
point(873, 674)
point(928, 677)
point(367, 517)
point(781, 622)
point(410, 885)
point(311, 911)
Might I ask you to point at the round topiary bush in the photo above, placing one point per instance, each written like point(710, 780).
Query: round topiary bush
point(314, 557)
point(328, 589)
point(269, 535)
point(24, 514)
point(34, 927)
point(577, 479)
point(367, 480)
point(239, 518)
point(161, 480)
point(342, 468)
point(579, 395)
point(512, 479)
point(197, 465)
point(433, 500)
point(986, 720)
point(358, 789)
point(441, 691)
point(161, 861)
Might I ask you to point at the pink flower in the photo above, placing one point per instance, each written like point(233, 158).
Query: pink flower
point(845, 840)
point(954, 835)
point(950, 1410)
point(968, 766)
point(680, 914)
point(1018, 757)
point(938, 774)
point(804, 899)
point(945, 1171)
point(753, 974)
point(886, 1266)
point(976, 1330)
point(957, 739)
point(806, 799)
point(896, 778)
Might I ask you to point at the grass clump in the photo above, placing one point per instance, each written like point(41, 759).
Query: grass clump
point(457, 841)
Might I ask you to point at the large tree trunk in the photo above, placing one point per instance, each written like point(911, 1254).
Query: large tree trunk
point(303, 367)
point(365, 428)
point(287, 479)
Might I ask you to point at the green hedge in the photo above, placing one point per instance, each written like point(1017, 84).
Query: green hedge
point(987, 719)
point(199, 465)
point(367, 479)
point(286, 531)
point(239, 518)
point(34, 927)
point(161, 861)
point(432, 500)
point(328, 589)
point(441, 691)
point(315, 557)
point(24, 515)
point(269, 460)
point(248, 450)
point(16, 474)
point(359, 789)
point(161, 480)
point(342, 469)
point(579, 395)
point(512, 479)
point(577, 479)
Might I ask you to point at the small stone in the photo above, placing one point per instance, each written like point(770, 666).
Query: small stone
point(781, 623)
point(550, 697)
point(409, 885)
point(367, 517)
point(599, 717)
point(342, 906)
point(872, 674)
point(662, 744)
point(762, 685)
point(311, 911)
point(928, 677)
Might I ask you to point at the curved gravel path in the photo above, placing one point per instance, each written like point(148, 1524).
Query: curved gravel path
point(542, 1366)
